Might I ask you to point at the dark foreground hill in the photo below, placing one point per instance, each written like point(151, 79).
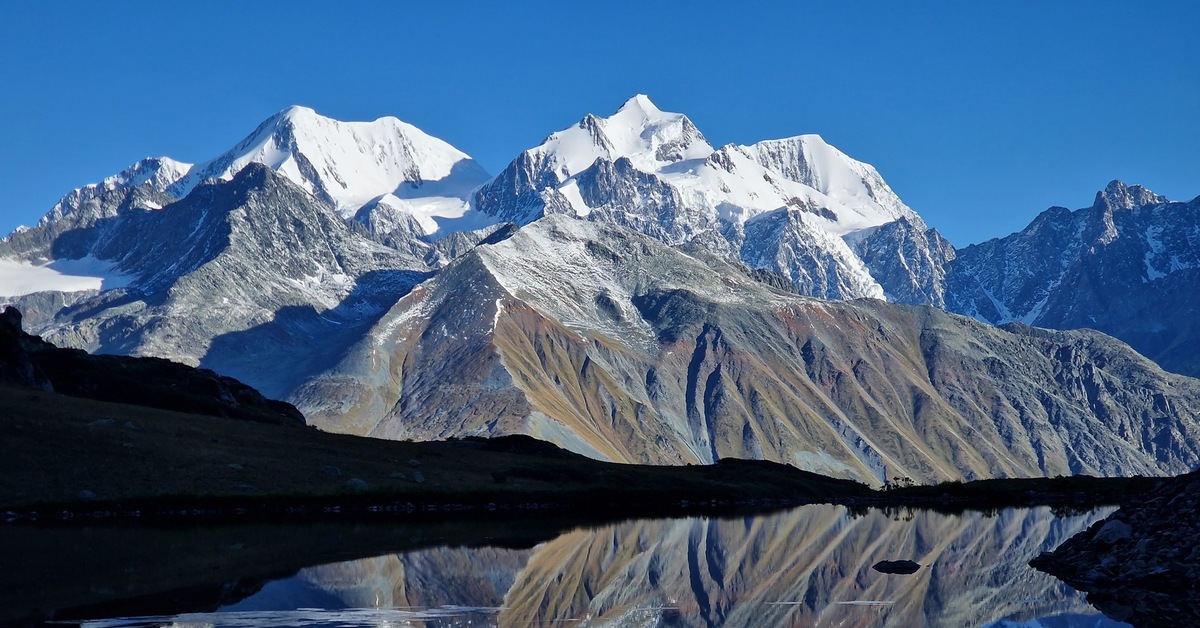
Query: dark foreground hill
point(112, 431)
point(27, 360)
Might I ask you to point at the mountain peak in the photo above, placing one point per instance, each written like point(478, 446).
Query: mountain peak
point(297, 111)
point(347, 164)
point(638, 131)
point(811, 161)
point(640, 103)
point(1117, 195)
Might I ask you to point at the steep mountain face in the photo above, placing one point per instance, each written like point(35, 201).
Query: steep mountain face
point(1126, 266)
point(611, 344)
point(818, 263)
point(236, 275)
point(654, 172)
point(909, 262)
point(82, 220)
point(796, 206)
point(585, 327)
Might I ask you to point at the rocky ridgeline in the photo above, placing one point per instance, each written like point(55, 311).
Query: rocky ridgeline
point(28, 360)
point(1142, 564)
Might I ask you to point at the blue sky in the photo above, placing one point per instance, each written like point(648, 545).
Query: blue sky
point(979, 115)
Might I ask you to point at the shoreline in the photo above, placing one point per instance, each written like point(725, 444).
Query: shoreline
point(1075, 492)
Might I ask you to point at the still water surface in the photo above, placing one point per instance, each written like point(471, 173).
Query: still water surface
point(810, 566)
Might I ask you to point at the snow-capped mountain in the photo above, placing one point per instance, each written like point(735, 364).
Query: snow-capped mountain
point(350, 164)
point(387, 173)
point(611, 291)
point(797, 206)
point(612, 344)
point(654, 172)
point(1128, 266)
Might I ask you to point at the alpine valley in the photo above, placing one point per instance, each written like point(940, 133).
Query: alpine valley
point(630, 292)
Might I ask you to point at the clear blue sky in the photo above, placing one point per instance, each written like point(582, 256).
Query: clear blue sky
point(980, 115)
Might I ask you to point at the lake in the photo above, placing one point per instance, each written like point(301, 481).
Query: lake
point(809, 566)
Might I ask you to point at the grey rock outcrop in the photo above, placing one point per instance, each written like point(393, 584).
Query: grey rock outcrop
point(909, 262)
point(1142, 564)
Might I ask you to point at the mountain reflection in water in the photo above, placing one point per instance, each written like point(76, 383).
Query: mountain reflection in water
point(810, 566)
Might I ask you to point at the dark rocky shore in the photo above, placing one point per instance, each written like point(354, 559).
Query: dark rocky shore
point(1142, 564)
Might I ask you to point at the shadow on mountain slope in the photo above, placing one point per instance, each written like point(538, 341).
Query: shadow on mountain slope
point(299, 341)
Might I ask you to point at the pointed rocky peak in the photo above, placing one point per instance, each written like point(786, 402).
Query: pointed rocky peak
point(595, 128)
point(160, 172)
point(1116, 196)
point(639, 131)
point(157, 174)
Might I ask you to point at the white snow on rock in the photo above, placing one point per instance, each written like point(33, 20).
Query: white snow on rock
point(639, 131)
point(734, 182)
point(351, 163)
point(675, 186)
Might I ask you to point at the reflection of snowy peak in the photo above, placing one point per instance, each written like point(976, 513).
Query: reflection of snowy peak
point(654, 172)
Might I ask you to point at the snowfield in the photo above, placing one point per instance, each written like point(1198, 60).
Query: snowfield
point(18, 278)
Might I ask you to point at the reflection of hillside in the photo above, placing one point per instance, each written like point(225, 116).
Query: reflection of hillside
point(808, 566)
point(428, 578)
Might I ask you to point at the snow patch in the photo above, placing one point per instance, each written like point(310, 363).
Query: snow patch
point(570, 190)
point(18, 278)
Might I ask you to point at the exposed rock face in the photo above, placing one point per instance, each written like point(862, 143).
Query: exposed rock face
point(611, 344)
point(81, 221)
point(817, 263)
point(238, 274)
point(909, 261)
point(1127, 266)
point(1142, 564)
point(154, 382)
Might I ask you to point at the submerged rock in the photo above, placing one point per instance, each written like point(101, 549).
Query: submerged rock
point(901, 567)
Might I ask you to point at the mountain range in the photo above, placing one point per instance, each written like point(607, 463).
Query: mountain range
point(628, 291)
